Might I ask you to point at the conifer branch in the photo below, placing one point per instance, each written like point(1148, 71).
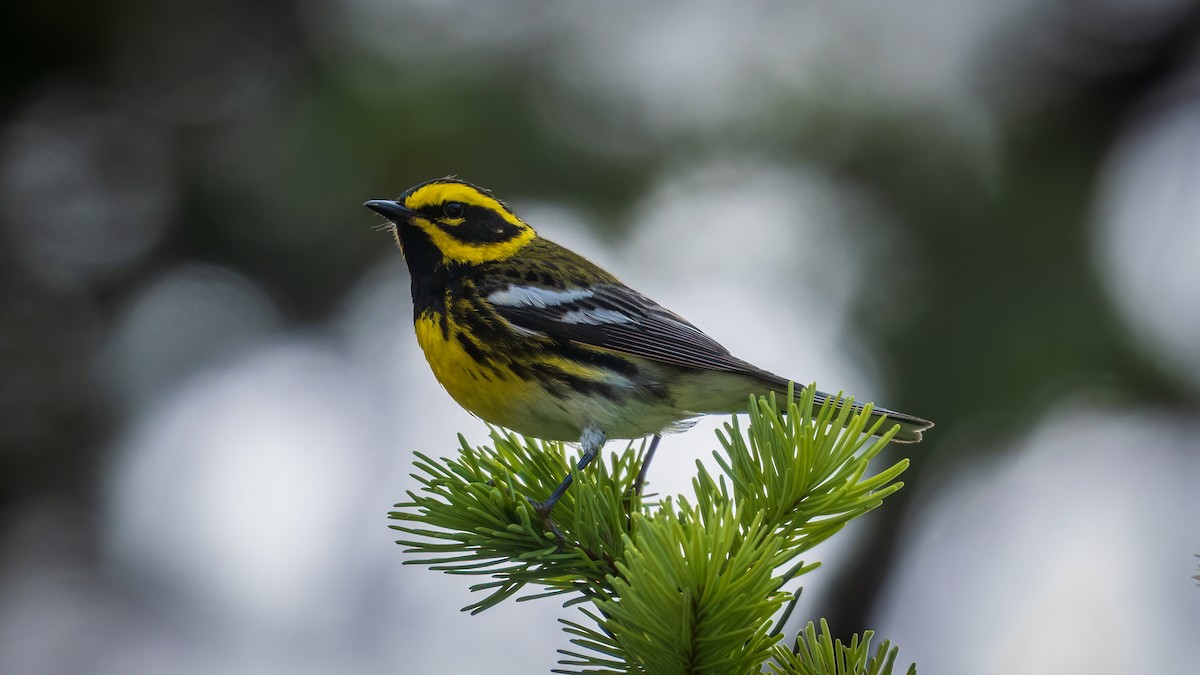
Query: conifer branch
point(683, 586)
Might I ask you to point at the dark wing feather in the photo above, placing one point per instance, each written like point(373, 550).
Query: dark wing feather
point(619, 319)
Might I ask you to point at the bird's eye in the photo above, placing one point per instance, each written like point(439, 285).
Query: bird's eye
point(454, 209)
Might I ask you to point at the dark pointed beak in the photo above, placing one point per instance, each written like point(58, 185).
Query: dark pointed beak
point(392, 210)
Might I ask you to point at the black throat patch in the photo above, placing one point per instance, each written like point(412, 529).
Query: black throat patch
point(428, 270)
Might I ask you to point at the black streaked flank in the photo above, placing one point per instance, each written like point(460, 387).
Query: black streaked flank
point(478, 355)
point(591, 357)
point(561, 383)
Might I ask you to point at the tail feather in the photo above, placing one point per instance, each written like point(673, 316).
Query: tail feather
point(709, 392)
point(911, 426)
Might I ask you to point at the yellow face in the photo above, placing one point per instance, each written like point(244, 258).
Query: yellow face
point(466, 224)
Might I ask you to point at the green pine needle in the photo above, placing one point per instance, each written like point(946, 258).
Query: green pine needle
point(686, 585)
point(820, 654)
point(471, 516)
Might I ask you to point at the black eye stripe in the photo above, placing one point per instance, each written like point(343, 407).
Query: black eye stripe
point(454, 209)
point(482, 226)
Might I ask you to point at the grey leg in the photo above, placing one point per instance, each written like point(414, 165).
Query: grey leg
point(591, 441)
point(641, 477)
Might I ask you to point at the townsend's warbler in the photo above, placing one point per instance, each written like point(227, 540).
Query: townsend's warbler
point(530, 336)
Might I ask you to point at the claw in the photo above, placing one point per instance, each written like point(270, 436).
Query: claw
point(542, 510)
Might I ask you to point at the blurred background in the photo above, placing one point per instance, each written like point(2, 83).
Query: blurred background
point(983, 213)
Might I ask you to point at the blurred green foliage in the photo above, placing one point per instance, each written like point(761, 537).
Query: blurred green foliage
point(1001, 310)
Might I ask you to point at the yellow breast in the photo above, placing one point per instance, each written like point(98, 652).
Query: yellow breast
point(492, 394)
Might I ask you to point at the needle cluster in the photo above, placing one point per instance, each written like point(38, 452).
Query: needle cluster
point(695, 584)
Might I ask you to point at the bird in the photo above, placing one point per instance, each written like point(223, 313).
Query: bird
point(530, 336)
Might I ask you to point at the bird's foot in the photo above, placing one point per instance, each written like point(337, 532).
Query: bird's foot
point(542, 510)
